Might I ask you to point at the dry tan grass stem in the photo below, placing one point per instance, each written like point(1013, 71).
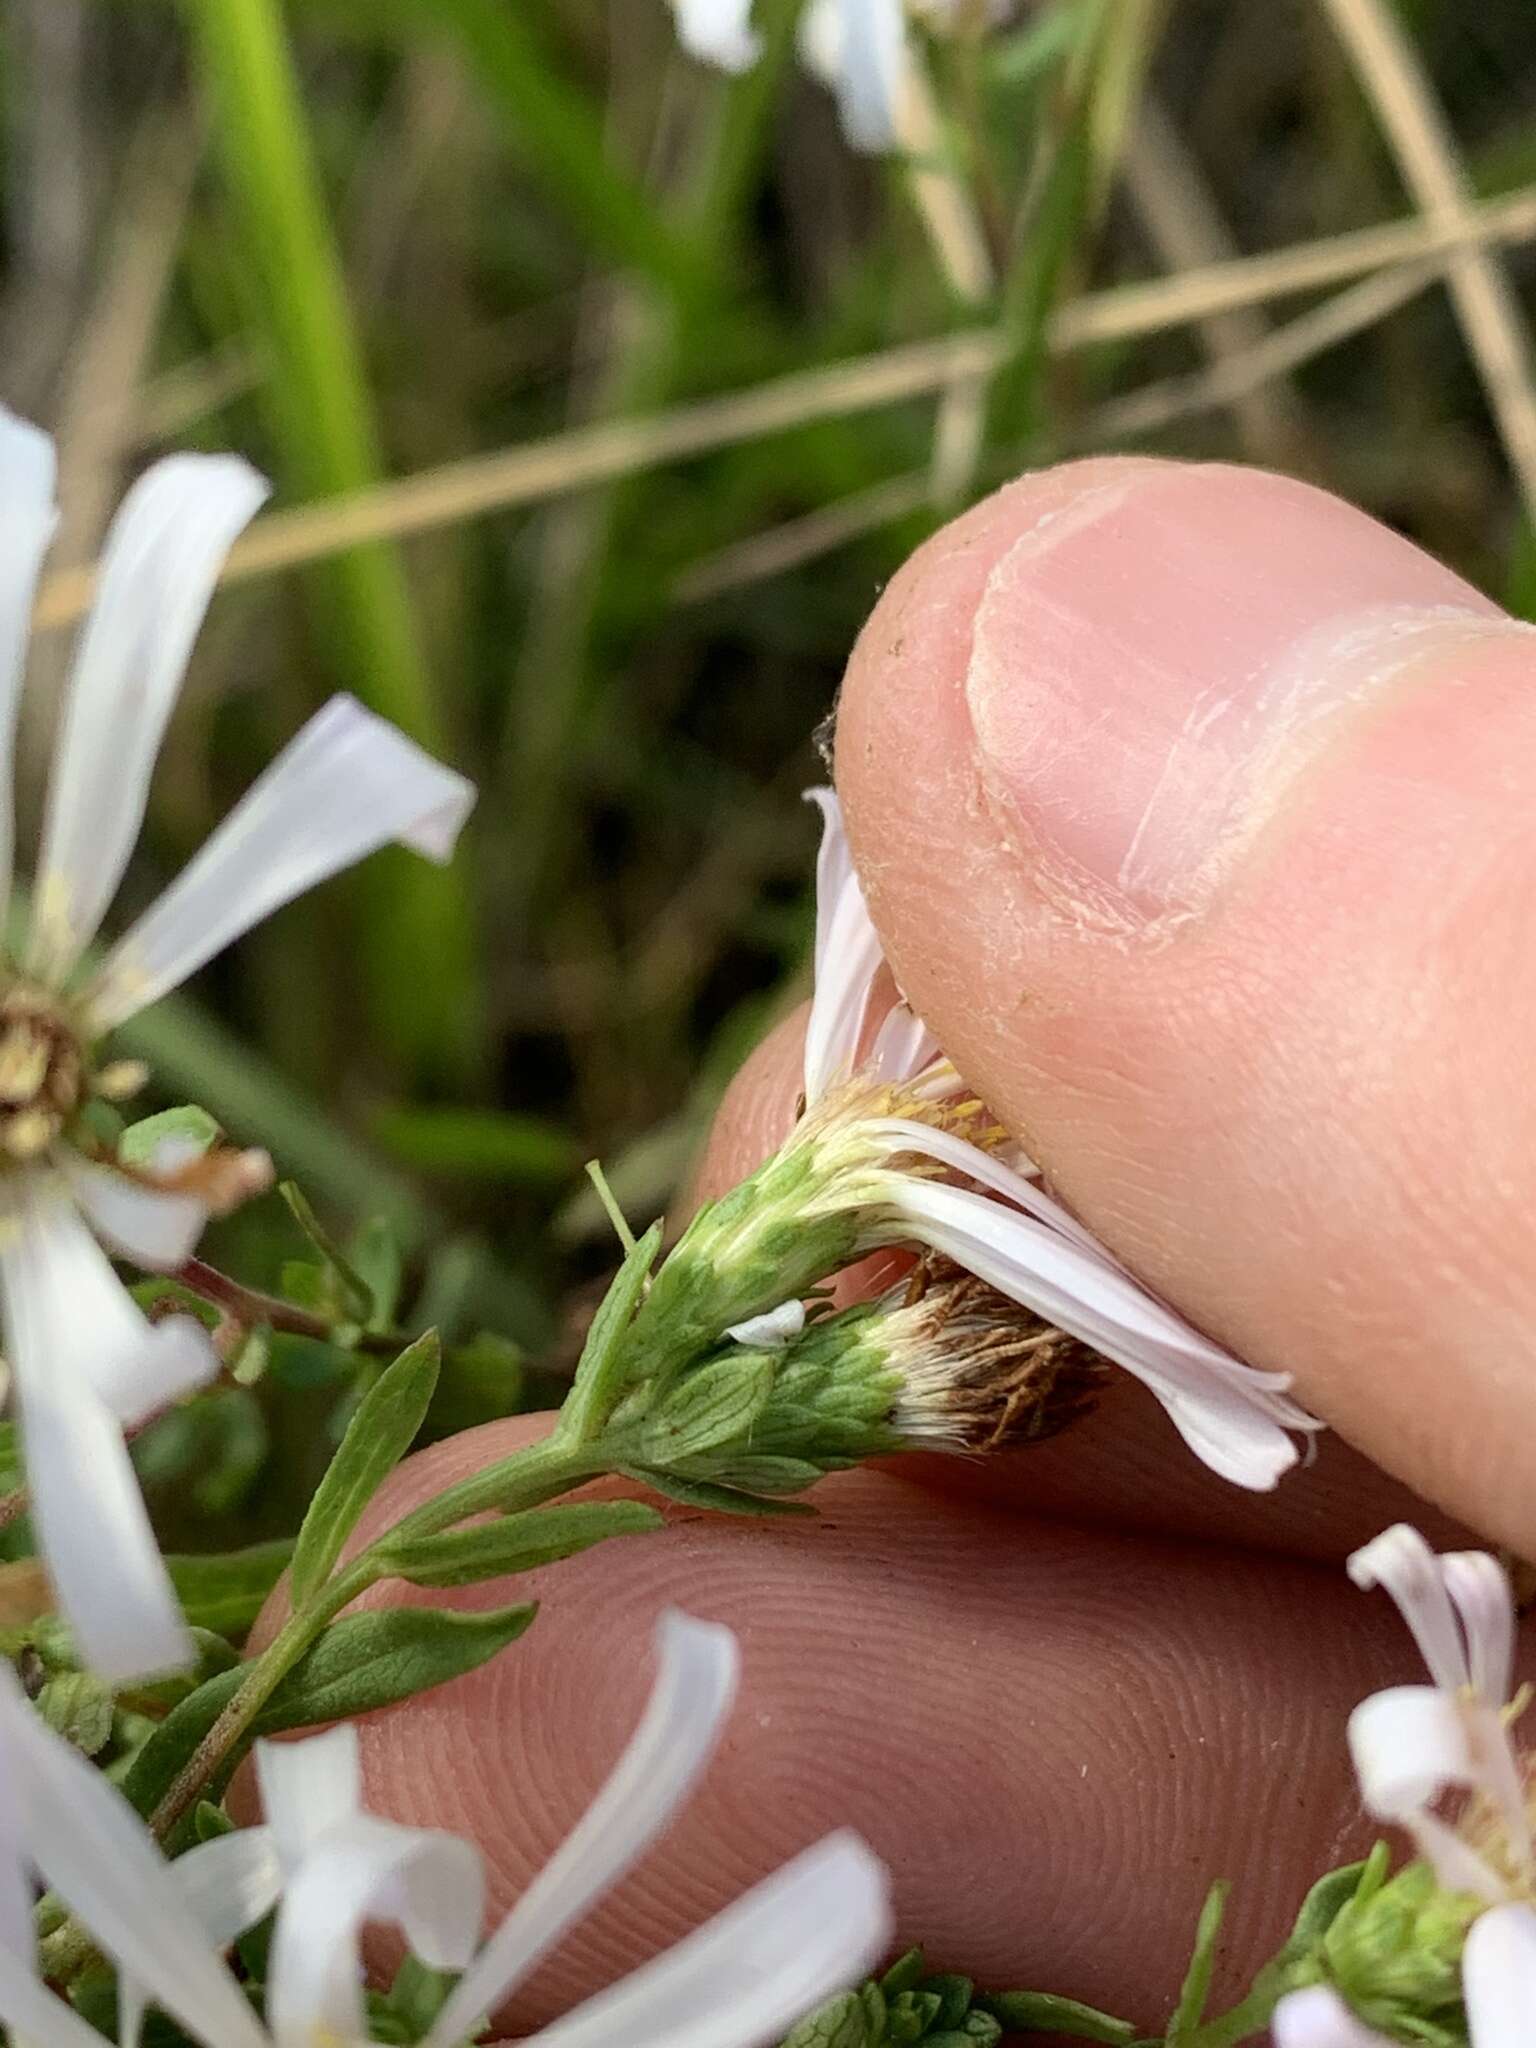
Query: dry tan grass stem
point(574, 461)
point(1411, 119)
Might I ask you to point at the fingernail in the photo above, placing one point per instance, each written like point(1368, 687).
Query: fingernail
point(1155, 655)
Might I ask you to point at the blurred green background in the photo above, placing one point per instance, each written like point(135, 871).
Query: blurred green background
point(601, 393)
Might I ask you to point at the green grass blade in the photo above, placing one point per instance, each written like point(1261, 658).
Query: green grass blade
point(417, 926)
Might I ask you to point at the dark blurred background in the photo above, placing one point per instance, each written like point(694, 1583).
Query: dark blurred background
point(601, 393)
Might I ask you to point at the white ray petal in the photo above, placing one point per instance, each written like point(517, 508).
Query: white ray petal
point(1407, 1744)
point(231, 1882)
point(28, 517)
point(1318, 2018)
point(344, 786)
point(155, 1227)
point(903, 1046)
point(1480, 1592)
point(1498, 1968)
point(227, 1885)
point(772, 1330)
point(848, 956)
point(695, 1683)
point(904, 1135)
point(1403, 1565)
point(159, 567)
point(718, 32)
point(811, 1929)
point(17, 1925)
point(69, 1324)
point(859, 48)
point(1234, 1418)
point(364, 1869)
point(91, 1846)
point(307, 1787)
point(87, 1325)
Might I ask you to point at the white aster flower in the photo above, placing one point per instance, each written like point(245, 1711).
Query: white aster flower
point(1411, 1745)
point(894, 1104)
point(87, 1363)
point(809, 1930)
point(857, 48)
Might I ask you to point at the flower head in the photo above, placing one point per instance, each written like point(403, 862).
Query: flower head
point(331, 1867)
point(87, 1363)
point(903, 1154)
point(1412, 1746)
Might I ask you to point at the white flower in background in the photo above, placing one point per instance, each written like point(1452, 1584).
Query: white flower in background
point(1413, 1744)
point(858, 48)
point(87, 1364)
point(740, 1981)
point(1010, 1232)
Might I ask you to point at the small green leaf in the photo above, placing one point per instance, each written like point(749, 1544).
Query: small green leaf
point(599, 1373)
point(705, 1493)
point(1042, 2012)
point(79, 1708)
point(376, 1257)
point(191, 1130)
point(515, 1543)
point(711, 1407)
point(365, 1661)
point(158, 1763)
point(379, 1435)
point(904, 1974)
point(1196, 1988)
point(1323, 1903)
point(225, 1593)
point(356, 1295)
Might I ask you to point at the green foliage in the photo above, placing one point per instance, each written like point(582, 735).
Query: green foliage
point(599, 1373)
point(381, 1431)
point(188, 1128)
point(226, 1592)
point(514, 1543)
point(367, 1661)
point(910, 2005)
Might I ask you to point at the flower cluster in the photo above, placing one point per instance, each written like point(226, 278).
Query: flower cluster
point(87, 1363)
point(1460, 1928)
point(892, 1151)
point(330, 1867)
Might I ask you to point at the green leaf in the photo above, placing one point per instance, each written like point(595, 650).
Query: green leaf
point(515, 1543)
point(362, 1662)
point(1042, 2012)
point(366, 1661)
point(710, 1408)
point(158, 1763)
point(1196, 1988)
point(355, 1294)
point(225, 1593)
point(79, 1708)
point(599, 1372)
point(1324, 1902)
point(380, 1433)
point(188, 1126)
point(375, 1254)
point(705, 1493)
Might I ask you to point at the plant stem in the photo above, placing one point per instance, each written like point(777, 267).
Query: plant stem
point(524, 1480)
point(252, 1308)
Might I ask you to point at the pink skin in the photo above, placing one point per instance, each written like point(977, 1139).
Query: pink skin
point(1284, 1069)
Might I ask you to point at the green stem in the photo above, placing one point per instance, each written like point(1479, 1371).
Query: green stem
point(1248, 2018)
point(524, 1480)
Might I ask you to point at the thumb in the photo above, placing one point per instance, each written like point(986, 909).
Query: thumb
point(1195, 813)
